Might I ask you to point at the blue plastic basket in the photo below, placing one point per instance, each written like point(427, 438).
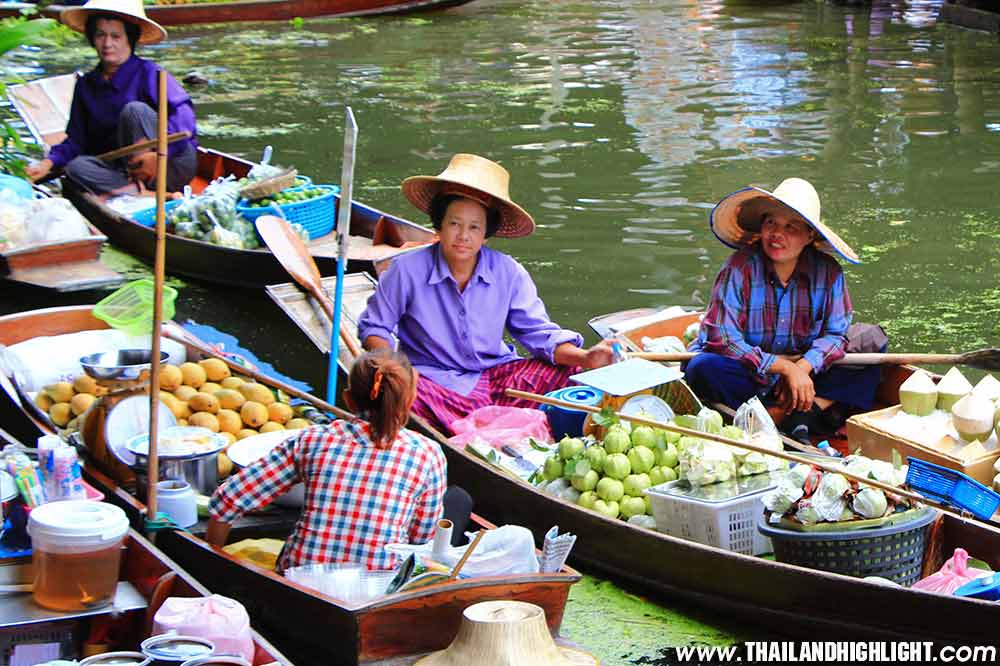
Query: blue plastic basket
point(147, 217)
point(953, 487)
point(317, 215)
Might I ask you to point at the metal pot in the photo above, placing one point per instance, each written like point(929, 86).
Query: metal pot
point(201, 472)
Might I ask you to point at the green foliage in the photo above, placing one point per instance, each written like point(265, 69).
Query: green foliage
point(14, 33)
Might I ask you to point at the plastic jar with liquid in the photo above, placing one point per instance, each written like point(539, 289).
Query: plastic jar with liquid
point(76, 552)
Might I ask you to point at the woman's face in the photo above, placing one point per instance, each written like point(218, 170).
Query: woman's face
point(111, 42)
point(783, 236)
point(463, 231)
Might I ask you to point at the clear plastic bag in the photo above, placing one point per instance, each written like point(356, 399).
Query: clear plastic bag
point(509, 549)
point(52, 220)
point(753, 419)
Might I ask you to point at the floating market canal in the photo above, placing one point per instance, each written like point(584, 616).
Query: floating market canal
point(622, 123)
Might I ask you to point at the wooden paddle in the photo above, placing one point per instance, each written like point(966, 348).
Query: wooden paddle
point(983, 359)
point(292, 253)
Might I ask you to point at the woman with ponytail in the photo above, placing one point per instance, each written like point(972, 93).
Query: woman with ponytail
point(368, 481)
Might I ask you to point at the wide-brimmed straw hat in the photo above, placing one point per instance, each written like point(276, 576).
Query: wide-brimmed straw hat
point(130, 11)
point(506, 633)
point(479, 179)
point(736, 219)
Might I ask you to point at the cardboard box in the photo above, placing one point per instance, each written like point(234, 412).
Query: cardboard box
point(864, 432)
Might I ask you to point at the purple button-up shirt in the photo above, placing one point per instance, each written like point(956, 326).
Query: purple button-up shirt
point(97, 103)
point(450, 336)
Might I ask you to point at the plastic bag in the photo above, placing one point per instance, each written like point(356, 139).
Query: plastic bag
point(54, 219)
point(502, 426)
point(753, 419)
point(13, 220)
point(506, 550)
point(222, 620)
point(954, 574)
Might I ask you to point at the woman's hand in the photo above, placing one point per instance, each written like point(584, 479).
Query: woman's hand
point(795, 390)
point(38, 170)
point(597, 356)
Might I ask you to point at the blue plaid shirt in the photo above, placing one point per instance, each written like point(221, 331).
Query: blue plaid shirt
point(358, 498)
point(754, 318)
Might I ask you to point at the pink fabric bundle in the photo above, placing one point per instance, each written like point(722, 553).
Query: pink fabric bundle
point(954, 574)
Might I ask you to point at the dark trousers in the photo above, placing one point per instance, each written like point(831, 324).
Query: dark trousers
point(137, 122)
point(716, 378)
point(458, 509)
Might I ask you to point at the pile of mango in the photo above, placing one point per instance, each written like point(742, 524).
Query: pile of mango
point(208, 395)
point(64, 402)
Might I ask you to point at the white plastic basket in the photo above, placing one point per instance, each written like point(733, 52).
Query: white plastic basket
point(730, 524)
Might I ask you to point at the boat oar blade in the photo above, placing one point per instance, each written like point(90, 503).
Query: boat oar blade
point(982, 359)
point(293, 255)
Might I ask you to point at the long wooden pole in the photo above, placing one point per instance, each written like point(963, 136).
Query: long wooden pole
point(545, 400)
point(159, 270)
point(852, 359)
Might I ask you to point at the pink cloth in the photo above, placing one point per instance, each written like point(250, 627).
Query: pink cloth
point(442, 407)
point(499, 426)
point(954, 574)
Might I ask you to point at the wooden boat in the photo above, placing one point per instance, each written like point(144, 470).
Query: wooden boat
point(780, 597)
point(68, 265)
point(376, 236)
point(147, 579)
point(305, 624)
point(259, 10)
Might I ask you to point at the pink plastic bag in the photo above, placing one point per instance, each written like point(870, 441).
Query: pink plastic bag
point(221, 620)
point(500, 426)
point(954, 574)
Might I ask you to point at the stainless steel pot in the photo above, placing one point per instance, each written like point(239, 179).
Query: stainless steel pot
point(201, 472)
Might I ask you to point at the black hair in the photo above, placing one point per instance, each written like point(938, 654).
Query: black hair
point(439, 206)
point(132, 31)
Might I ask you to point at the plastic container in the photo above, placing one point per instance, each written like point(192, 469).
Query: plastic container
point(130, 308)
point(318, 215)
point(986, 587)
point(564, 421)
point(76, 551)
point(117, 659)
point(147, 216)
point(177, 500)
point(730, 524)
point(953, 487)
point(175, 649)
point(212, 660)
point(895, 552)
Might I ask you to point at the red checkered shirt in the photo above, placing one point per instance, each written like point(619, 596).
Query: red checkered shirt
point(357, 498)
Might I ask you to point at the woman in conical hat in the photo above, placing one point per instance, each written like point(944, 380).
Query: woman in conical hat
point(449, 304)
point(115, 105)
point(780, 312)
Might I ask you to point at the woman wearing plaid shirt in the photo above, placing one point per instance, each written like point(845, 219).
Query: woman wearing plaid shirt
point(780, 312)
point(367, 482)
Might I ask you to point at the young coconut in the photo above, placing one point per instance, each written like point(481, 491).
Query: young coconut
point(973, 417)
point(918, 395)
point(952, 388)
point(988, 387)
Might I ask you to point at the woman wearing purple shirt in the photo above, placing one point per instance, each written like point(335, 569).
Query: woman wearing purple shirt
point(450, 303)
point(114, 105)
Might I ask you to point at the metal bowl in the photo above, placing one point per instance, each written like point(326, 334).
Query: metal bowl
point(121, 364)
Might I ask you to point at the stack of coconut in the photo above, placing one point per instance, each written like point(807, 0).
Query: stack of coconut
point(974, 412)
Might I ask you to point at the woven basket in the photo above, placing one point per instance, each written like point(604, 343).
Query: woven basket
point(269, 186)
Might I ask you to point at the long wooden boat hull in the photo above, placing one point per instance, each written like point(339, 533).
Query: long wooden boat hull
point(780, 597)
point(306, 625)
point(262, 10)
point(68, 265)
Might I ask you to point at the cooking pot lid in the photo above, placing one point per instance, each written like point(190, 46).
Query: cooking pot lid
point(129, 418)
point(251, 449)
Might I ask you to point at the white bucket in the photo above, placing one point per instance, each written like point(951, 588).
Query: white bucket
point(76, 526)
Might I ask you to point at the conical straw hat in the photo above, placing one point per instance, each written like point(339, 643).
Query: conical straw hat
point(479, 179)
point(505, 633)
point(130, 11)
point(736, 219)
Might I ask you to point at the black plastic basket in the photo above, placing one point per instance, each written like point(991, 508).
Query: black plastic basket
point(895, 552)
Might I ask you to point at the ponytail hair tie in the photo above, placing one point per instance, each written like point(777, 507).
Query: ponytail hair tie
point(376, 384)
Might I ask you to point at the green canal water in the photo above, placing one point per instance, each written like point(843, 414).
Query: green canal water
point(622, 123)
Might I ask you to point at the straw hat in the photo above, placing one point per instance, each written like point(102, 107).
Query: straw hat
point(479, 179)
point(130, 11)
point(736, 219)
point(505, 633)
